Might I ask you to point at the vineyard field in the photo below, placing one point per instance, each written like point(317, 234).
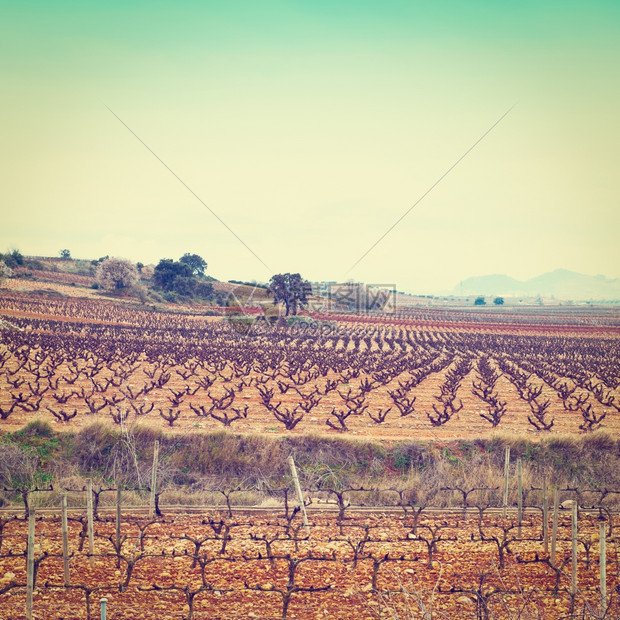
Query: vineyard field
point(269, 566)
point(430, 375)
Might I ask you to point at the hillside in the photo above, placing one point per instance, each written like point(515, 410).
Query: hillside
point(77, 278)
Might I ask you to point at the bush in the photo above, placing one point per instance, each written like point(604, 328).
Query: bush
point(203, 290)
point(479, 301)
point(155, 296)
point(411, 455)
point(5, 271)
point(36, 428)
point(92, 447)
point(12, 259)
point(184, 285)
point(212, 313)
point(34, 264)
point(139, 291)
point(221, 298)
point(18, 465)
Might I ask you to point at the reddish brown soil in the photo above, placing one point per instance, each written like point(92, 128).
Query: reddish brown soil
point(243, 581)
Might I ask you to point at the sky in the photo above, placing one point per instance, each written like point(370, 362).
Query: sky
point(309, 127)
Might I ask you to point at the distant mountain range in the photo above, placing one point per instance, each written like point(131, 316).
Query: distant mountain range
point(561, 284)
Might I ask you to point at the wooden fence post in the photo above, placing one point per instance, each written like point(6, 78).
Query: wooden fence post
point(545, 512)
point(91, 526)
point(154, 478)
point(506, 478)
point(30, 565)
point(554, 527)
point(603, 569)
point(300, 495)
point(519, 495)
point(65, 539)
point(573, 578)
point(118, 517)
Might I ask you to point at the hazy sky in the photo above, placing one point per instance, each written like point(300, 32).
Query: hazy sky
point(310, 127)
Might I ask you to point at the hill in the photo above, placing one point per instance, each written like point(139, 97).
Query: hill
point(561, 284)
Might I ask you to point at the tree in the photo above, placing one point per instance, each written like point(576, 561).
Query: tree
point(203, 289)
point(480, 301)
point(116, 273)
point(65, 254)
point(178, 277)
point(5, 271)
point(290, 289)
point(12, 259)
point(196, 263)
point(498, 301)
point(167, 271)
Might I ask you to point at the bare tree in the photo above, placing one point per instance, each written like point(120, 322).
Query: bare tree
point(5, 271)
point(117, 273)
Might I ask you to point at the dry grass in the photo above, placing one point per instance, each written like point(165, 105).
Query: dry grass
point(192, 464)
